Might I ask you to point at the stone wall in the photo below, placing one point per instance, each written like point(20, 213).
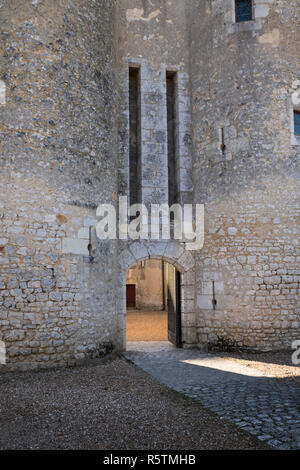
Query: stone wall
point(242, 81)
point(64, 105)
point(57, 164)
point(154, 37)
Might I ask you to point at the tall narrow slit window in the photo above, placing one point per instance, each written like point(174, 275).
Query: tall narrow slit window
point(134, 136)
point(243, 10)
point(297, 122)
point(171, 80)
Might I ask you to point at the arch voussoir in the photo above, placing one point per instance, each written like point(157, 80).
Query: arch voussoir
point(157, 249)
point(186, 261)
point(139, 250)
point(126, 259)
point(173, 251)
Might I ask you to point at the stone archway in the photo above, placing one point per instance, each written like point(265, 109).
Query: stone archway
point(175, 254)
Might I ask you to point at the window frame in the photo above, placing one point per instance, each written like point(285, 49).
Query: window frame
point(236, 12)
point(295, 111)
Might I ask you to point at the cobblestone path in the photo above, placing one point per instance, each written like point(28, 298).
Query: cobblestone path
point(264, 406)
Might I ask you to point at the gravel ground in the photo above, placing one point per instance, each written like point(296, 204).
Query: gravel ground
point(147, 326)
point(107, 405)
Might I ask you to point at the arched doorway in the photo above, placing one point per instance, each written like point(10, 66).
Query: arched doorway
point(153, 302)
point(183, 302)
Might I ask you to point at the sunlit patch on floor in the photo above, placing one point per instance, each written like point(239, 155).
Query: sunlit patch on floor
point(246, 367)
point(269, 369)
point(2, 353)
point(225, 365)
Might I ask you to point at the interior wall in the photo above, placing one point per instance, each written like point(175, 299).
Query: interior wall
point(148, 279)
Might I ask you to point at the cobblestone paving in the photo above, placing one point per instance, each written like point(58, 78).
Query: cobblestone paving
point(264, 406)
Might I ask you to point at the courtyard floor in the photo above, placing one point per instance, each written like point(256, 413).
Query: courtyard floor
point(107, 405)
point(258, 392)
point(147, 325)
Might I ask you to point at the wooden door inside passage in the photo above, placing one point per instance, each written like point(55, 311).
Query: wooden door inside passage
point(130, 296)
point(174, 306)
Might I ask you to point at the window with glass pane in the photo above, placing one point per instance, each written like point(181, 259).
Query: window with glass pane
point(243, 10)
point(297, 122)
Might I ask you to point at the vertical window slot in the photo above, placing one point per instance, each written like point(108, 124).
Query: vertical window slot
point(134, 135)
point(171, 80)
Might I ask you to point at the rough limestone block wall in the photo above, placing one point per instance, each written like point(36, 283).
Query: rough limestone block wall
point(57, 164)
point(154, 153)
point(243, 80)
point(154, 36)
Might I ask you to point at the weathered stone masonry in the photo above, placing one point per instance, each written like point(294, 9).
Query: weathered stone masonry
point(64, 128)
point(250, 190)
point(57, 164)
